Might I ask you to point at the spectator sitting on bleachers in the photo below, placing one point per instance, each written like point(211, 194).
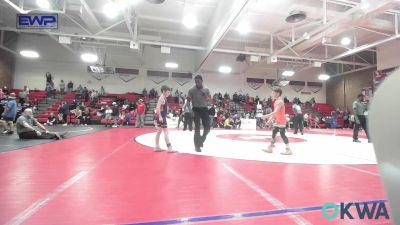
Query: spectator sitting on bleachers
point(51, 120)
point(93, 95)
point(128, 117)
point(102, 91)
point(70, 86)
point(86, 94)
point(62, 87)
point(247, 115)
point(108, 116)
point(79, 91)
point(81, 106)
point(215, 96)
point(228, 124)
point(23, 95)
point(121, 118)
point(235, 97)
point(220, 96)
point(220, 120)
point(257, 99)
point(334, 119)
point(285, 100)
point(115, 114)
point(226, 96)
point(152, 93)
point(78, 115)
point(144, 92)
point(237, 122)
point(346, 118)
point(269, 102)
point(306, 120)
point(85, 117)
point(6, 91)
point(212, 114)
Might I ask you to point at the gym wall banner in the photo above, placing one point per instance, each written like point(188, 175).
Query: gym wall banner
point(157, 76)
point(127, 75)
point(269, 82)
point(314, 86)
point(182, 78)
point(297, 86)
point(255, 83)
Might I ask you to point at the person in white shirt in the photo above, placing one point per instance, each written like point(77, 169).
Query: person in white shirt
point(259, 114)
point(298, 119)
point(108, 117)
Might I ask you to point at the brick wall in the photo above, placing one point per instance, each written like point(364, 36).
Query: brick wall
point(342, 91)
point(7, 64)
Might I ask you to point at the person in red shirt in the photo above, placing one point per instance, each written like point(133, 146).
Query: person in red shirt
point(141, 110)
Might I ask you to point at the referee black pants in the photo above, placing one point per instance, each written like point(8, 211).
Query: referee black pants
point(363, 125)
point(201, 114)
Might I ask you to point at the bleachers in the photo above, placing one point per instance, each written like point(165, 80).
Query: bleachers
point(326, 110)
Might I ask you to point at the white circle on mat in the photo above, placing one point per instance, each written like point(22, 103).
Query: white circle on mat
point(248, 145)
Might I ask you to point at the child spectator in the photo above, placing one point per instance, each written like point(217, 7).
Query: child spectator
point(51, 120)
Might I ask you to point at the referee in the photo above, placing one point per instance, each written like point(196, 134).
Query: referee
point(200, 97)
point(359, 118)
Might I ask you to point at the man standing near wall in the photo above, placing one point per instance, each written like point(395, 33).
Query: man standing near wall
point(9, 114)
point(200, 97)
point(298, 118)
point(360, 119)
point(141, 109)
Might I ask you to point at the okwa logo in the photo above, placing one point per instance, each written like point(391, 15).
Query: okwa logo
point(375, 210)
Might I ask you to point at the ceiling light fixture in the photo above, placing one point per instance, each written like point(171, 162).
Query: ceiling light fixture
point(243, 28)
point(288, 73)
point(324, 77)
point(29, 54)
point(364, 5)
point(43, 4)
point(225, 69)
point(345, 41)
point(89, 57)
point(190, 21)
point(111, 10)
point(171, 65)
point(306, 36)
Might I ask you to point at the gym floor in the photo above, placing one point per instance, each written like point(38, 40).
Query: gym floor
point(112, 176)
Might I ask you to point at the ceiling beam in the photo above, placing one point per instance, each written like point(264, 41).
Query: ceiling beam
point(89, 18)
point(365, 47)
point(128, 22)
point(320, 29)
point(64, 45)
point(78, 24)
point(353, 71)
point(192, 47)
point(224, 16)
point(8, 50)
point(110, 27)
point(376, 7)
point(167, 20)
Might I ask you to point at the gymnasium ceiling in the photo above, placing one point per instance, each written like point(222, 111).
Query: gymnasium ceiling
point(367, 23)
